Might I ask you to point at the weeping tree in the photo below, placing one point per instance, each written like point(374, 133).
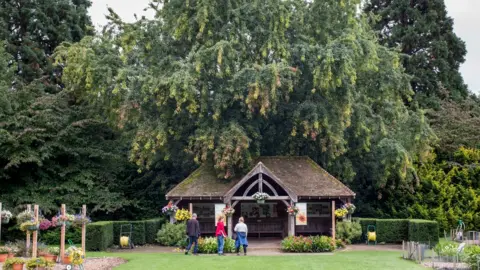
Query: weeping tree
point(223, 82)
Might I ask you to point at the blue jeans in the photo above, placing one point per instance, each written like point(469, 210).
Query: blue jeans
point(191, 240)
point(220, 244)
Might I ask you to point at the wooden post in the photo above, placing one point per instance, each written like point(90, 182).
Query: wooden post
point(84, 229)
point(0, 222)
point(190, 208)
point(62, 234)
point(29, 209)
point(333, 220)
point(35, 233)
point(291, 225)
point(229, 226)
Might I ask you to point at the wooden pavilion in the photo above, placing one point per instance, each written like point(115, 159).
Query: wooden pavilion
point(288, 180)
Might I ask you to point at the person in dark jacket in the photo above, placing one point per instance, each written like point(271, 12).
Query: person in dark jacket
point(193, 232)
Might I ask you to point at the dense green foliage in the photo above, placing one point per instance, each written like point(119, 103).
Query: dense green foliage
point(152, 226)
point(308, 244)
point(209, 245)
point(424, 32)
point(99, 236)
point(350, 232)
point(398, 230)
point(172, 235)
point(392, 230)
point(52, 237)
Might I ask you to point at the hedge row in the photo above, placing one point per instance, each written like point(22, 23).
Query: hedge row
point(102, 235)
point(99, 235)
point(397, 230)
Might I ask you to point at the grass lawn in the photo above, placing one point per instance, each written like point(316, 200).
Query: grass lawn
point(368, 260)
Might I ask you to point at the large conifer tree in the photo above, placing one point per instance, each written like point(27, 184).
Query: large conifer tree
point(227, 81)
point(423, 31)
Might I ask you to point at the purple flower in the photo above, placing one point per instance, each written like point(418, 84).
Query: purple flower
point(45, 224)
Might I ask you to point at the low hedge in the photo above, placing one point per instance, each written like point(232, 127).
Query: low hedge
point(308, 244)
point(138, 231)
point(99, 236)
point(152, 226)
point(392, 230)
point(52, 237)
point(424, 231)
point(397, 230)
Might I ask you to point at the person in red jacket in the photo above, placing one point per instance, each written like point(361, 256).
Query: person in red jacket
point(221, 235)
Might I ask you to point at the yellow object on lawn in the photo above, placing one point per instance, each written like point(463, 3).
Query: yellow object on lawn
point(372, 236)
point(124, 241)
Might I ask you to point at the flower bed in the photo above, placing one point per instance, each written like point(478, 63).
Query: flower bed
point(308, 244)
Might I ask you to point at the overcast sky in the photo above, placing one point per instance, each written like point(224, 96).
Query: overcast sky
point(464, 12)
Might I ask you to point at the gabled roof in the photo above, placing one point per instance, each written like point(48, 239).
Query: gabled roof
point(300, 175)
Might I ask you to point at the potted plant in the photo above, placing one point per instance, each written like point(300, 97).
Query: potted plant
point(24, 217)
point(51, 254)
point(228, 211)
point(74, 256)
point(6, 216)
point(169, 209)
point(14, 264)
point(4, 253)
point(12, 249)
point(260, 197)
point(30, 226)
point(79, 220)
point(39, 264)
point(293, 210)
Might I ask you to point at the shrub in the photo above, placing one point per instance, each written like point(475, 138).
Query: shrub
point(138, 231)
point(339, 243)
point(425, 231)
point(446, 249)
point(350, 232)
point(472, 256)
point(151, 228)
point(323, 244)
point(8, 264)
point(172, 235)
point(392, 230)
point(308, 244)
point(209, 245)
point(52, 237)
point(99, 236)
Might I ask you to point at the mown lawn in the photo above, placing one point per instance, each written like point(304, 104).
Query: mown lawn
point(368, 260)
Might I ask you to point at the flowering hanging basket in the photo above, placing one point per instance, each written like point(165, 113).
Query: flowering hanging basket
point(228, 211)
point(29, 226)
point(260, 197)
point(292, 210)
point(169, 209)
point(6, 216)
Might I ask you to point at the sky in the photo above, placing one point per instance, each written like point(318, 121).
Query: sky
point(464, 13)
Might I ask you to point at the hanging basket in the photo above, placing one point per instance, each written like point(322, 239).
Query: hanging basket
point(32, 228)
point(260, 201)
point(5, 220)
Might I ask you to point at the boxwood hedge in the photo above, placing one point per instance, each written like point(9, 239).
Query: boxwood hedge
point(99, 236)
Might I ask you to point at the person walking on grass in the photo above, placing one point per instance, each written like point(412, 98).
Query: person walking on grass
point(193, 232)
point(221, 235)
point(242, 231)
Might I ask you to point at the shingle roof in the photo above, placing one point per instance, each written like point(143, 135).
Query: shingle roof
point(301, 175)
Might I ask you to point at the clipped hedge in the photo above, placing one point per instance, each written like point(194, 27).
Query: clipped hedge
point(152, 226)
point(365, 222)
point(392, 230)
point(396, 230)
point(99, 236)
point(425, 231)
point(138, 231)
